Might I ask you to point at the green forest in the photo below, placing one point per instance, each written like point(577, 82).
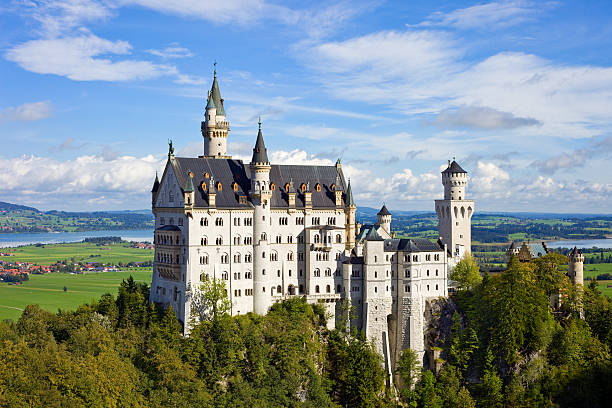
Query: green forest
point(505, 347)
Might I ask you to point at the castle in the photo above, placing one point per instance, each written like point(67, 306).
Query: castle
point(271, 232)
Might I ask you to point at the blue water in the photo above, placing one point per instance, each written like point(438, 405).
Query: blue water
point(581, 243)
point(12, 240)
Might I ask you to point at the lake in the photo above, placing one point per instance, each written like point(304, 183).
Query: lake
point(581, 243)
point(12, 240)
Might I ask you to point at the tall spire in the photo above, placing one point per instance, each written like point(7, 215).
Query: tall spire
point(260, 153)
point(215, 94)
point(349, 195)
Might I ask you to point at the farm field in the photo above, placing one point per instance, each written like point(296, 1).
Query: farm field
point(48, 290)
point(81, 252)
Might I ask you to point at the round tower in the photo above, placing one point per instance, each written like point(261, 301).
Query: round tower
point(261, 197)
point(576, 266)
point(384, 219)
point(215, 127)
point(454, 180)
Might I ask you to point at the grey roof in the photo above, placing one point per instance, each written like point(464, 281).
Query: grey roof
point(373, 235)
point(260, 153)
point(281, 175)
point(168, 228)
point(412, 245)
point(355, 260)
point(229, 171)
point(536, 249)
point(384, 211)
point(454, 167)
point(215, 95)
point(364, 231)
point(575, 251)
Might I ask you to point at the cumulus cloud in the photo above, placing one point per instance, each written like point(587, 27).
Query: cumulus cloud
point(480, 117)
point(487, 16)
point(123, 179)
point(26, 112)
point(488, 178)
point(84, 58)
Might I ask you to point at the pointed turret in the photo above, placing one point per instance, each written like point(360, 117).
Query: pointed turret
point(215, 126)
point(215, 96)
point(349, 195)
point(338, 190)
point(188, 188)
point(260, 153)
point(155, 184)
point(350, 209)
point(384, 219)
point(384, 211)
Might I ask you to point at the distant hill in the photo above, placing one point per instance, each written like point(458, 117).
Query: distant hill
point(20, 218)
point(11, 207)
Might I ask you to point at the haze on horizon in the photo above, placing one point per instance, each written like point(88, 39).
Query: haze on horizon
point(519, 91)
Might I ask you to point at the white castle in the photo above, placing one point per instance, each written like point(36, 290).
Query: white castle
point(271, 232)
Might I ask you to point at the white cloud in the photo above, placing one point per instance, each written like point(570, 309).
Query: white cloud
point(487, 16)
point(480, 117)
point(239, 11)
point(27, 112)
point(489, 179)
point(84, 58)
point(171, 52)
point(425, 71)
point(60, 16)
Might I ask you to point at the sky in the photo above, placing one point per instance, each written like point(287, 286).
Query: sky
point(519, 92)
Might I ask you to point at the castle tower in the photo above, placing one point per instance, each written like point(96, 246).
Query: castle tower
point(576, 266)
point(261, 196)
point(455, 211)
point(349, 212)
point(377, 298)
point(215, 127)
point(384, 219)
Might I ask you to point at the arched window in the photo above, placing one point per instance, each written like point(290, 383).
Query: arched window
point(287, 187)
point(219, 241)
point(206, 175)
point(303, 187)
point(219, 186)
point(328, 272)
point(203, 186)
point(338, 238)
point(235, 186)
point(225, 258)
point(263, 236)
point(332, 187)
point(317, 289)
point(328, 289)
point(278, 289)
point(248, 258)
point(318, 187)
point(317, 272)
point(203, 241)
point(317, 239)
point(273, 187)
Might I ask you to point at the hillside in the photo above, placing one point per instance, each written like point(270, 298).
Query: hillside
point(19, 218)
point(501, 227)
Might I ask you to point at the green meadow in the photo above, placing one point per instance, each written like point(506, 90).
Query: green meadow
point(81, 252)
point(48, 290)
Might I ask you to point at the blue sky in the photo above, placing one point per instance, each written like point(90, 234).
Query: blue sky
point(520, 92)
